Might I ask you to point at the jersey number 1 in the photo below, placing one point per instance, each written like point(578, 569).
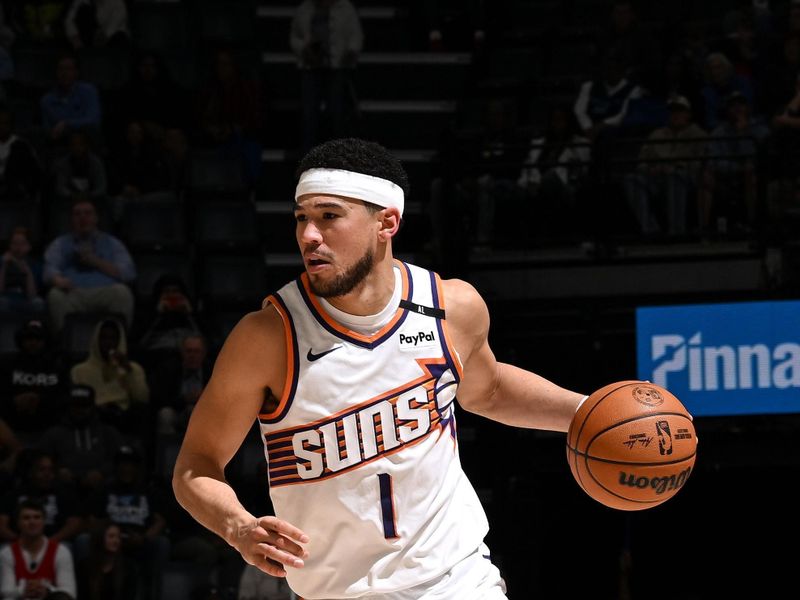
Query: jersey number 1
point(387, 506)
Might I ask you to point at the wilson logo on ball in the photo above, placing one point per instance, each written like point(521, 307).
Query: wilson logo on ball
point(658, 484)
point(647, 395)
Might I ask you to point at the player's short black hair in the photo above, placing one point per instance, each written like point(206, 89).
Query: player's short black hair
point(360, 156)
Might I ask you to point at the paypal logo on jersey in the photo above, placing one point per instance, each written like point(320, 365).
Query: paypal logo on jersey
point(723, 359)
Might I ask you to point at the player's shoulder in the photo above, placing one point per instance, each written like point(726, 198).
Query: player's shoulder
point(463, 303)
point(261, 325)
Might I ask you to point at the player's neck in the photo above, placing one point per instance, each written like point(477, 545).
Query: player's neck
point(371, 295)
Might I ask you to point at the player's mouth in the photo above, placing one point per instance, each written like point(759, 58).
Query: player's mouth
point(315, 264)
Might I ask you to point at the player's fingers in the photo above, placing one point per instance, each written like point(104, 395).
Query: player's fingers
point(273, 538)
point(284, 528)
point(269, 566)
point(288, 545)
point(281, 556)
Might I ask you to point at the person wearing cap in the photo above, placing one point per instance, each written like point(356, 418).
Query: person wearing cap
point(84, 444)
point(659, 190)
point(138, 508)
point(351, 373)
point(33, 383)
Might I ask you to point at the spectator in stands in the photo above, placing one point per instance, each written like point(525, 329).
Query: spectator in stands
point(35, 566)
point(138, 511)
point(554, 171)
point(602, 103)
point(84, 445)
point(173, 318)
point(151, 98)
point(741, 44)
point(230, 113)
point(34, 381)
point(120, 384)
point(20, 276)
point(137, 168)
point(88, 269)
point(327, 39)
point(20, 170)
point(80, 173)
point(37, 20)
point(721, 82)
point(97, 23)
point(178, 389)
point(627, 38)
point(659, 190)
point(731, 172)
point(107, 574)
point(72, 104)
point(63, 517)
point(255, 584)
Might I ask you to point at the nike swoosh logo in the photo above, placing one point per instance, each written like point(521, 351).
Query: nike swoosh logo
point(312, 357)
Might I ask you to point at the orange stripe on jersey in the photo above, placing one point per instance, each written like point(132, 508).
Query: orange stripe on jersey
point(290, 354)
point(334, 324)
point(447, 339)
point(425, 379)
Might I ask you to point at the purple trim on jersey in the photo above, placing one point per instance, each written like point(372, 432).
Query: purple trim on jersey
point(295, 358)
point(440, 327)
point(343, 336)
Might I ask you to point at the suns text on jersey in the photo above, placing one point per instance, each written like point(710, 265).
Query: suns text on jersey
point(350, 439)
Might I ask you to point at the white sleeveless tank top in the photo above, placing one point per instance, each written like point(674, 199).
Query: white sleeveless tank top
point(362, 448)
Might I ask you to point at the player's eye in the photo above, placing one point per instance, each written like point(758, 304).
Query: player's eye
point(329, 215)
point(300, 218)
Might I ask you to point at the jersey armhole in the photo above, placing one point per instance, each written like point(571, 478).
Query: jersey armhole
point(451, 354)
point(290, 383)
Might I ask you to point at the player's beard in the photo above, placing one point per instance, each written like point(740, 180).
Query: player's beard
point(347, 281)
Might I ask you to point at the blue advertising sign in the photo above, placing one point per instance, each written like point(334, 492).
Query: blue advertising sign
point(723, 359)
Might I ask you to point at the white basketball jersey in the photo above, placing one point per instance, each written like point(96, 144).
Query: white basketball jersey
point(362, 446)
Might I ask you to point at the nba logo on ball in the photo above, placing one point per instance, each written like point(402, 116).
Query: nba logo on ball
point(631, 445)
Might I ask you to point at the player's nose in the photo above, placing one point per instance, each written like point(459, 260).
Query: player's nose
point(310, 234)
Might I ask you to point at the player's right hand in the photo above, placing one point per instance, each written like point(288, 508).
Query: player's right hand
point(271, 545)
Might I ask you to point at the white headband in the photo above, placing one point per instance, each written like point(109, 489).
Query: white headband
point(338, 182)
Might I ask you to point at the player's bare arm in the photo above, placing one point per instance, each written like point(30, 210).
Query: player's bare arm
point(496, 390)
point(250, 366)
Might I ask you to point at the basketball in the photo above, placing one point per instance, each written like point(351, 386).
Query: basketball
point(631, 445)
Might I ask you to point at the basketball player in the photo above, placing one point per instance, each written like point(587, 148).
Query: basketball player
point(352, 372)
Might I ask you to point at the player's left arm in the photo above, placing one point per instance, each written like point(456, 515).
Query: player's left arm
point(496, 390)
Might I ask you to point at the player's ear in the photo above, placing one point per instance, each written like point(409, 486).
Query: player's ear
point(389, 221)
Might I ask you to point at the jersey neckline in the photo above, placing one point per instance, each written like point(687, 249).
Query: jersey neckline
point(333, 327)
